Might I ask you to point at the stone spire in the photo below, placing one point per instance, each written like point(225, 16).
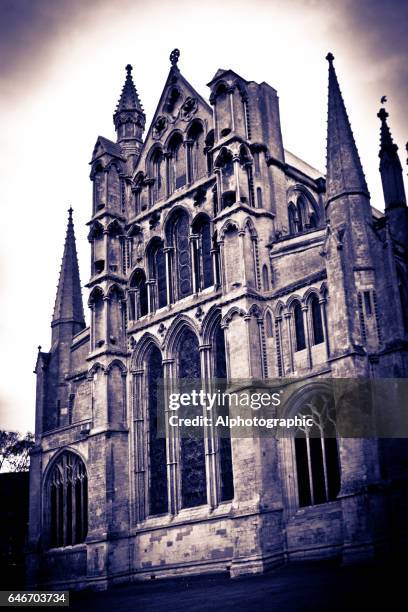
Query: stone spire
point(129, 117)
point(68, 304)
point(344, 171)
point(390, 166)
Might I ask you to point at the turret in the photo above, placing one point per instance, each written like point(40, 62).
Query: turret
point(129, 117)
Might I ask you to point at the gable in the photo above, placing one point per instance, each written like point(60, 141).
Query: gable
point(179, 105)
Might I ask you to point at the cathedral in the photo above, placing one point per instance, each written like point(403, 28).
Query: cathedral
point(218, 254)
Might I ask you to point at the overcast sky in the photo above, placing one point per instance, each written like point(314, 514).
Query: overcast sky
point(61, 71)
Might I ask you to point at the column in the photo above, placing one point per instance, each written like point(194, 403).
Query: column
point(322, 304)
point(307, 335)
point(195, 264)
point(167, 253)
point(106, 301)
point(288, 316)
point(235, 161)
point(210, 439)
point(172, 441)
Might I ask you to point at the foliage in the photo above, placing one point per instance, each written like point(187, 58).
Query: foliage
point(15, 451)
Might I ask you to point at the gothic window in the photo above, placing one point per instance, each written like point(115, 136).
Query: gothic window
point(265, 277)
point(116, 315)
point(209, 143)
point(202, 253)
point(259, 202)
point(225, 455)
point(98, 253)
point(179, 240)
point(301, 213)
point(299, 326)
point(68, 501)
point(138, 295)
point(228, 187)
point(403, 293)
point(116, 395)
point(292, 219)
point(268, 325)
point(192, 453)
point(245, 160)
point(223, 110)
point(317, 323)
point(114, 246)
point(317, 463)
point(196, 159)
point(113, 188)
point(157, 166)
point(158, 497)
point(99, 188)
point(177, 163)
point(96, 302)
point(157, 272)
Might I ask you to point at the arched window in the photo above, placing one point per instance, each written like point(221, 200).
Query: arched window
point(114, 246)
point(96, 303)
point(99, 188)
point(228, 187)
point(178, 237)
point(265, 277)
point(113, 188)
point(301, 214)
point(177, 163)
point(299, 326)
point(95, 237)
point(158, 497)
point(259, 202)
point(117, 316)
point(245, 161)
point(209, 143)
point(68, 501)
point(317, 324)
point(220, 371)
point(157, 273)
point(157, 165)
point(268, 325)
point(317, 459)
point(292, 219)
point(138, 295)
point(403, 293)
point(196, 159)
point(202, 252)
point(192, 453)
point(223, 110)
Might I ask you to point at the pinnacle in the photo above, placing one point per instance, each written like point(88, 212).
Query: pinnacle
point(68, 303)
point(344, 170)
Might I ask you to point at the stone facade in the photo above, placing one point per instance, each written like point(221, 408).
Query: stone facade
point(215, 250)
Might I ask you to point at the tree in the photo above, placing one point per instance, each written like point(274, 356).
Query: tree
point(15, 451)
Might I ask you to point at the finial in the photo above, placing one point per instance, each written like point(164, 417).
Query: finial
point(174, 57)
point(70, 211)
point(330, 58)
point(129, 69)
point(39, 347)
point(382, 114)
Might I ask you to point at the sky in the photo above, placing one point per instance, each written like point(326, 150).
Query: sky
point(62, 67)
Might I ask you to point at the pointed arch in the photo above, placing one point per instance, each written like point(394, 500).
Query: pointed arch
point(173, 333)
point(138, 299)
point(143, 346)
point(66, 495)
point(202, 251)
point(177, 230)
